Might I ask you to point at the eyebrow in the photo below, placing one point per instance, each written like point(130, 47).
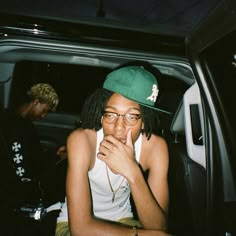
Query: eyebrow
point(130, 108)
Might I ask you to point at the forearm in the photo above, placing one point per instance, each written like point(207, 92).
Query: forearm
point(100, 227)
point(97, 227)
point(150, 214)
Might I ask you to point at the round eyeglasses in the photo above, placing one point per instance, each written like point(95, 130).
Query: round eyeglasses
point(129, 118)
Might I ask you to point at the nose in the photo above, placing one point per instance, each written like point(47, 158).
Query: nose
point(120, 124)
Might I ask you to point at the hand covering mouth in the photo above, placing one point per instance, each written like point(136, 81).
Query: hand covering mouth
point(123, 140)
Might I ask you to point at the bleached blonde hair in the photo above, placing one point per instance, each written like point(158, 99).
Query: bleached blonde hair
point(45, 93)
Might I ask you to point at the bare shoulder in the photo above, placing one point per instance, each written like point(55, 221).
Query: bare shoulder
point(155, 142)
point(81, 147)
point(154, 150)
point(82, 135)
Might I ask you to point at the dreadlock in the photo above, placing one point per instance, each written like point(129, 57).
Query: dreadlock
point(93, 108)
point(150, 120)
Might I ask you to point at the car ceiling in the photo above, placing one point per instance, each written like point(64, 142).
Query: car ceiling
point(169, 17)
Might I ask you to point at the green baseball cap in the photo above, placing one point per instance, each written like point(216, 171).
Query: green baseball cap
point(134, 83)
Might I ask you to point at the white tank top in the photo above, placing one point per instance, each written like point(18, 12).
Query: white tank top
point(101, 192)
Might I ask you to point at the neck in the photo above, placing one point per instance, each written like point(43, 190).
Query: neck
point(23, 110)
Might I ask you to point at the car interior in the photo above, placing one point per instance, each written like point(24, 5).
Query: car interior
point(193, 46)
point(77, 70)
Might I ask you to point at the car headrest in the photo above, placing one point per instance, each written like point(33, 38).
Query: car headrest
point(177, 124)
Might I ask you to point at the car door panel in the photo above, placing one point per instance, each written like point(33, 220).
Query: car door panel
point(54, 129)
point(211, 48)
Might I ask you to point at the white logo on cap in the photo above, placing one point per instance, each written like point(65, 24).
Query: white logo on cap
point(153, 96)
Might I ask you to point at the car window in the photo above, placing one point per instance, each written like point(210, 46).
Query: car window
point(221, 63)
point(73, 83)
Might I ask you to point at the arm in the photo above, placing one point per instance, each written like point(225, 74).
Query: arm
point(81, 151)
point(81, 147)
point(152, 200)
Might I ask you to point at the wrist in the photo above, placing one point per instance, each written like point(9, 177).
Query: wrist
point(134, 175)
point(135, 231)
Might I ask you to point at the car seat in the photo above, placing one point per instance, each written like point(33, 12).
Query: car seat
point(187, 174)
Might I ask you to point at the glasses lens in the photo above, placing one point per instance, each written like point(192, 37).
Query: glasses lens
point(131, 119)
point(110, 117)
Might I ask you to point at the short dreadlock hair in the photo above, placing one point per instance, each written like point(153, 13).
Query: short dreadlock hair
point(45, 93)
point(94, 105)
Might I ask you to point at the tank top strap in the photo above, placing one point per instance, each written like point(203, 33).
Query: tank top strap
point(99, 138)
point(137, 147)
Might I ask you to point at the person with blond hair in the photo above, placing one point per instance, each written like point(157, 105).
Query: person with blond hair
point(22, 165)
point(39, 100)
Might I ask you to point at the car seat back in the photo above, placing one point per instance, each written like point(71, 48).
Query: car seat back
point(187, 174)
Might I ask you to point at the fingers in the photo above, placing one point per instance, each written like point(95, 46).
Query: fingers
point(109, 143)
point(105, 148)
point(129, 141)
point(108, 146)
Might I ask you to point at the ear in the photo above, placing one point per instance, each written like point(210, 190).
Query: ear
point(35, 102)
